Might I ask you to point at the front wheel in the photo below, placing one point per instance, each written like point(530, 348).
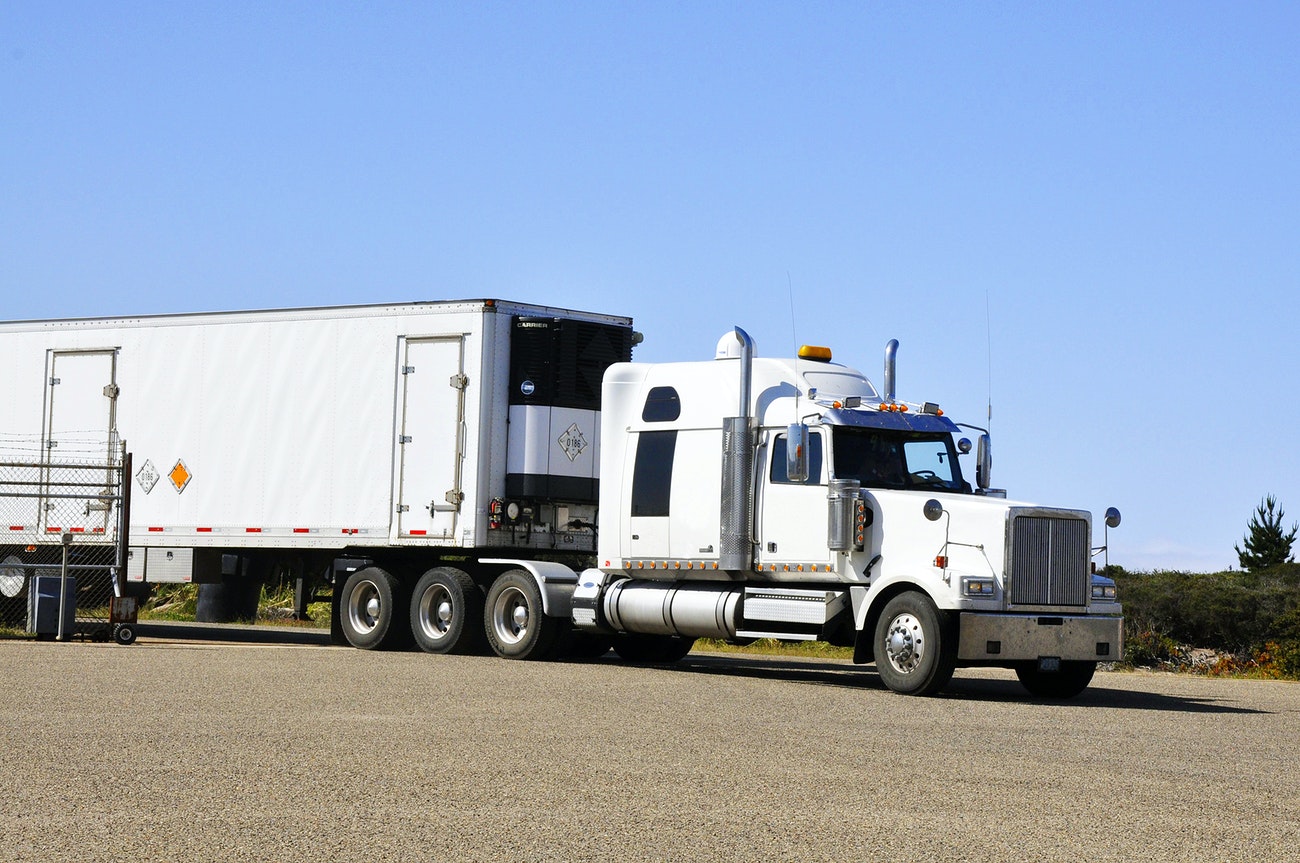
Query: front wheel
point(1072, 679)
point(516, 627)
point(915, 653)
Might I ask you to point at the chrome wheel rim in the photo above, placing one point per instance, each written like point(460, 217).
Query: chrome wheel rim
point(510, 614)
point(905, 643)
point(436, 612)
point(364, 607)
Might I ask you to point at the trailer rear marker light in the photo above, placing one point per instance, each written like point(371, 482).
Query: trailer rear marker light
point(252, 530)
point(419, 533)
point(203, 530)
point(156, 529)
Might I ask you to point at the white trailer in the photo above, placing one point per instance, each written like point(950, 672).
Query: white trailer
point(503, 475)
point(389, 434)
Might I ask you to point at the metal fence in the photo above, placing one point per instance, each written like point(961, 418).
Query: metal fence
point(63, 535)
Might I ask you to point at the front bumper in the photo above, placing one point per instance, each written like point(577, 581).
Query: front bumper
point(997, 638)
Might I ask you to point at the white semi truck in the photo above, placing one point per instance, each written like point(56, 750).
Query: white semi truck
point(501, 475)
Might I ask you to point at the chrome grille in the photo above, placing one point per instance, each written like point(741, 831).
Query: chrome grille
point(1049, 561)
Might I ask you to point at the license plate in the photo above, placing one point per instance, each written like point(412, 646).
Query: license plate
point(1050, 664)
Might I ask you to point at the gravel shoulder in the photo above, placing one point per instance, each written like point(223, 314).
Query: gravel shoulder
point(176, 749)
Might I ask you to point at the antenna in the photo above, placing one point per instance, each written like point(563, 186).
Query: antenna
point(794, 341)
point(988, 331)
point(794, 333)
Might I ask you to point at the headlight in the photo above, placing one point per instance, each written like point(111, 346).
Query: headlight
point(983, 588)
point(1104, 590)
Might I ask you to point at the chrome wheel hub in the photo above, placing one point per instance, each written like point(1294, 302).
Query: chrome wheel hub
point(905, 643)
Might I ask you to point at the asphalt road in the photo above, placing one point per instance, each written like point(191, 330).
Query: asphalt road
point(176, 749)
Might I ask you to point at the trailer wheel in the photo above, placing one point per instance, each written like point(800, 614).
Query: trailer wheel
point(368, 612)
point(447, 612)
point(652, 648)
point(124, 633)
point(915, 654)
point(516, 627)
point(1072, 679)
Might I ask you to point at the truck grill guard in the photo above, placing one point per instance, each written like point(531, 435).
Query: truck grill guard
point(1048, 561)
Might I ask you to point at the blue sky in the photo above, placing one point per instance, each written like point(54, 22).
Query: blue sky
point(1090, 212)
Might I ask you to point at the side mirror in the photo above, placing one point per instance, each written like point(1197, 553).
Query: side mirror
point(796, 452)
point(984, 462)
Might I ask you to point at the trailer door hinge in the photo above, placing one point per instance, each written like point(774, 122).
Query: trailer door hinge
point(111, 391)
point(54, 382)
point(408, 370)
point(459, 382)
point(406, 438)
point(401, 508)
point(51, 444)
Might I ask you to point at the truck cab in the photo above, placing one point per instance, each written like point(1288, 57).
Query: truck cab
point(750, 497)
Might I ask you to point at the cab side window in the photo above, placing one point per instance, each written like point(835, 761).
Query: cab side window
point(652, 473)
point(778, 472)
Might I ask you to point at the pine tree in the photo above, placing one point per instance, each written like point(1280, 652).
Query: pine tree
point(1266, 544)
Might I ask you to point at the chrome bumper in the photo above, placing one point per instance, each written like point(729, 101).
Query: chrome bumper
point(1016, 637)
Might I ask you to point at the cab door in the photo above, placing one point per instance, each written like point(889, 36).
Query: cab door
point(791, 520)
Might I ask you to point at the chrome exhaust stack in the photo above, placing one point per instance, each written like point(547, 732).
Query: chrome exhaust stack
point(891, 357)
point(736, 552)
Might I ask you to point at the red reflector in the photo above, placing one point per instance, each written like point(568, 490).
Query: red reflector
point(54, 530)
point(252, 530)
point(203, 529)
point(418, 532)
point(155, 530)
point(302, 530)
point(16, 527)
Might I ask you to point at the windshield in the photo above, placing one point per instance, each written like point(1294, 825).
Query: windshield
point(880, 458)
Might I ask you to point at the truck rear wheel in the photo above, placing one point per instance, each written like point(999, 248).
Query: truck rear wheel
point(447, 612)
point(652, 648)
point(915, 654)
point(513, 619)
point(1072, 679)
point(369, 613)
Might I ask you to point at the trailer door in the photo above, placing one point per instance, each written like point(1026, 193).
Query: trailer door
point(79, 426)
point(430, 437)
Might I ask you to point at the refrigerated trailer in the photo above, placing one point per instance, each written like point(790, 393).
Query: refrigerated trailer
point(392, 434)
point(493, 475)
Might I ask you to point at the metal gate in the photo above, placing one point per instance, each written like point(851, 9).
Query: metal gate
point(63, 538)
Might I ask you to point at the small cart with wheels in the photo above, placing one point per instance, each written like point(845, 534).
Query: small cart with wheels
point(122, 618)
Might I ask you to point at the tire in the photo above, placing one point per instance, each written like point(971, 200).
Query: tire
point(658, 649)
point(1072, 679)
point(447, 612)
point(513, 620)
point(371, 609)
point(915, 651)
point(124, 633)
point(582, 646)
